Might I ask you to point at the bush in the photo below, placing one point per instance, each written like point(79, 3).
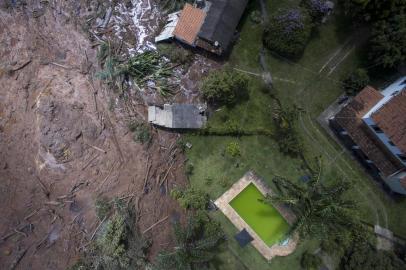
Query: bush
point(225, 87)
point(355, 81)
point(364, 256)
point(141, 133)
point(103, 207)
point(256, 17)
point(189, 169)
point(310, 261)
point(233, 149)
point(288, 32)
point(176, 54)
point(317, 9)
point(191, 198)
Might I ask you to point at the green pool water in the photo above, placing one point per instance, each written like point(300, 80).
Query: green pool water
point(264, 219)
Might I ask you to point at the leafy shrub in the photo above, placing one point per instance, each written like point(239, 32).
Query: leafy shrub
point(364, 256)
point(119, 245)
point(176, 54)
point(317, 9)
point(288, 32)
point(181, 145)
point(256, 17)
point(224, 181)
point(141, 132)
point(310, 261)
point(233, 149)
point(196, 244)
point(286, 135)
point(225, 87)
point(355, 81)
point(189, 169)
point(190, 198)
point(103, 207)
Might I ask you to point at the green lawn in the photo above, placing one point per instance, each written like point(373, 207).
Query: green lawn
point(297, 83)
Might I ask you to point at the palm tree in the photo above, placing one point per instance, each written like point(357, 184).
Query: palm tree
point(194, 247)
point(320, 210)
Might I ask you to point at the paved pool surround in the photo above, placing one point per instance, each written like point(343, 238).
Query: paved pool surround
point(223, 203)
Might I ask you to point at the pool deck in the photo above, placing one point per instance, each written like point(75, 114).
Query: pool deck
point(223, 203)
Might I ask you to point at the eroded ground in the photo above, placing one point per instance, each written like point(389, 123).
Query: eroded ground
point(62, 144)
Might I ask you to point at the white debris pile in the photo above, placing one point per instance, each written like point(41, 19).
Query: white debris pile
point(137, 24)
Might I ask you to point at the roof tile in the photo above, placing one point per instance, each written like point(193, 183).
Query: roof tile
point(189, 24)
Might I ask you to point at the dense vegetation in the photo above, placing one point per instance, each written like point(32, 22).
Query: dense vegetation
point(195, 244)
point(225, 87)
point(387, 21)
point(355, 81)
point(288, 32)
point(321, 210)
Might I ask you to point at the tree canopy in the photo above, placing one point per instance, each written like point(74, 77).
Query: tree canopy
point(388, 41)
point(225, 87)
point(288, 31)
point(321, 211)
point(195, 245)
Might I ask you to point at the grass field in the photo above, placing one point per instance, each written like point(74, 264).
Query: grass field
point(300, 83)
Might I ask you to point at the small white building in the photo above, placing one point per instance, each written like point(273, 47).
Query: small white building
point(177, 116)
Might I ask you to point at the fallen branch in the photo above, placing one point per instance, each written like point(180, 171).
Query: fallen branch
point(43, 187)
point(108, 175)
point(90, 161)
point(97, 148)
point(97, 228)
point(166, 174)
point(147, 173)
point(155, 224)
point(18, 258)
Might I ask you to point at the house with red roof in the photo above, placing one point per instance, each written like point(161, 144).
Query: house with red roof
point(209, 24)
point(373, 126)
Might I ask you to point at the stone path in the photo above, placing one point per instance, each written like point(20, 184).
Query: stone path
point(223, 203)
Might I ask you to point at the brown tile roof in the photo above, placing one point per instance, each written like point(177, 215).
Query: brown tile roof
point(189, 24)
point(391, 118)
point(350, 118)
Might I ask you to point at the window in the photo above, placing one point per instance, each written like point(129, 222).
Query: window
point(403, 83)
point(402, 157)
point(376, 129)
point(391, 143)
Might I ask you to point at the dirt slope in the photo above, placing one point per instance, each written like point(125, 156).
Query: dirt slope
point(54, 129)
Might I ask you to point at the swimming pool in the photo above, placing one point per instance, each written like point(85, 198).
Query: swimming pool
point(264, 219)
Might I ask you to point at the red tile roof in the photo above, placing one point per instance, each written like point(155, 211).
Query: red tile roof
point(189, 24)
point(391, 118)
point(350, 118)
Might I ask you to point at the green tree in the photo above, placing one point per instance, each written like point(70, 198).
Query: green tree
point(225, 87)
point(310, 261)
point(321, 211)
point(364, 256)
point(285, 133)
point(288, 32)
point(195, 245)
point(355, 81)
point(372, 10)
point(388, 41)
point(191, 198)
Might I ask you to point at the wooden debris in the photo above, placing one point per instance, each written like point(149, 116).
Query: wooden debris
point(166, 174)
point(43, 187)
point(18, 258)
point(90, 161)
point(147, 174)
point(107, 177)
point(155, 224)
point(97, 228)
point(97, 148)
